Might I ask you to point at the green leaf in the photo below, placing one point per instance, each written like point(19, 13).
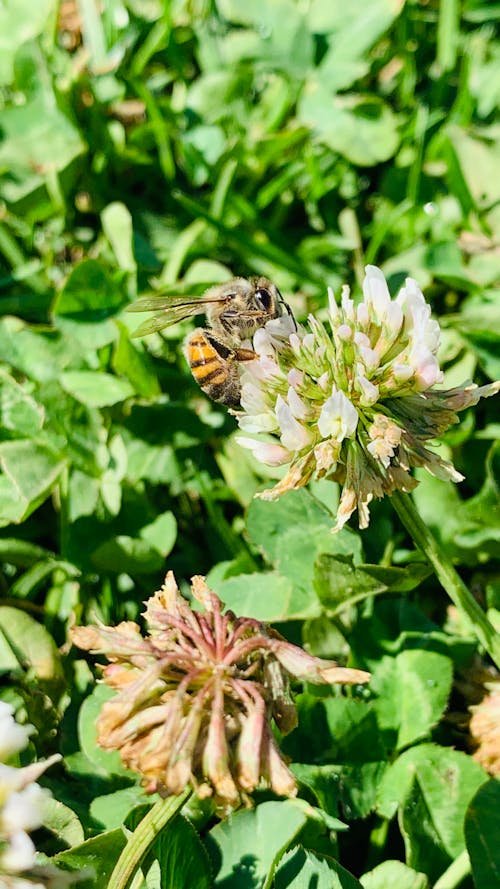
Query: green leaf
point(38, 138)
point(117, 226)
point(361, 128)
point(232, 843)
point(86, 305)
point(447, 780)
point(183, 860)
point(94, 388)
point(31, 471)
point(62, 822)
point(95, 858)
point(39, 354)
point(31, 644)
point(111, 809)
point(20, 415)
point(130, 360)
point(394, 873)
point(266, 596)
point(481, 835)
point(104, 761)
point(161, 534)
point(19, 22)
point(412, 692)
point(127, 554)
point(301, 868)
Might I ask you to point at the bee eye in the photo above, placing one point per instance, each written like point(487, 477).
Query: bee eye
point(263, 299)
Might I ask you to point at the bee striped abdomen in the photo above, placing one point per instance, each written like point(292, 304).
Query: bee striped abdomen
point(212, 366)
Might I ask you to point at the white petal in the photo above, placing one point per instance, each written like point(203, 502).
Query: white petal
point(338, 418)
point(299, 410)
point(271, 454)
point(13, 737)
point(23, 810)
point(344, 332)
point(19, 854)
point(294, 436)
point(332, 306)
point(369, 391)
point(376, 291)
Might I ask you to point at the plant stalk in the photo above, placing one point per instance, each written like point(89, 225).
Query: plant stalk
point(455, 873)
point(143, 836)
point(447, 575)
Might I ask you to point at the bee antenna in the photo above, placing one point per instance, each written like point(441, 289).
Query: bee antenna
point(288, 309)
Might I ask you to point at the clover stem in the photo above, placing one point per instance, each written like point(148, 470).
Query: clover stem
point(143, 836)
point(455, 873)
point(447, 575)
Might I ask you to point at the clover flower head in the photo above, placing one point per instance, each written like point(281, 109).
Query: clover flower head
point(354, 400)
point(197, 696)
point(21, 808)
point(484, 727)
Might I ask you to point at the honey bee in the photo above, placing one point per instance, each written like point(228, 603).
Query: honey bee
point(234, 311)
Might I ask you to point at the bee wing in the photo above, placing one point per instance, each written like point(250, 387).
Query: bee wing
point(170, 310)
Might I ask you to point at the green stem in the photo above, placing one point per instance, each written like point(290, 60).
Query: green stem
point(447, 575)
point(455, 873)
point(143, 836)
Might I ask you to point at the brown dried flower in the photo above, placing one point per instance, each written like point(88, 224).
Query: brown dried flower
point(484, 729)
point(196, 696)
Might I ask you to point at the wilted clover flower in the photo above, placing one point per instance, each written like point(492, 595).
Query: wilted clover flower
point(21, 807)
point(354, 401)
point(484, 729)
point(197, 695)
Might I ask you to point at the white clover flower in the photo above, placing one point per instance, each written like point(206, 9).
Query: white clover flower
point(21, 808)
point(13, 737)
point(354, 401)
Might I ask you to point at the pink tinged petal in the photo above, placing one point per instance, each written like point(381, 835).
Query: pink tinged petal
point(362, 340)
point(30, 773)
point(326, 454)
point(250, 745)
point(402, 372)
point(376, 291)
point(294, 436)
point(262, 342)
point(347, 505)
point(295, 343)
point(178, 772)
point(338, 418)
point(297, 476)
point(394, 319)
point(295, 377)
point(270, 454)
point(254, 399)
point(313, 669)
point(369, 357)
point(426, 367)
point(299, 410)
point(215, 752)
point(381, 450)
point(309, 341)
point(467, 395)
point(345, 333)
point(278, 775)
point(19, 853)
point(362, 314)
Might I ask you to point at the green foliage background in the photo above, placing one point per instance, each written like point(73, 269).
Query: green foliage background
point(154, 145)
